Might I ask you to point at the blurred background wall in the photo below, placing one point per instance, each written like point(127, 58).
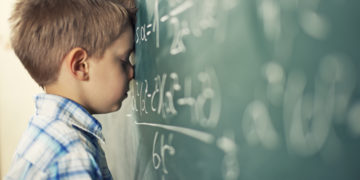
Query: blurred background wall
point(17, 90)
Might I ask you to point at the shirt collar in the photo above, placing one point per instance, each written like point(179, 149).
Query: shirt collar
point(61, 108)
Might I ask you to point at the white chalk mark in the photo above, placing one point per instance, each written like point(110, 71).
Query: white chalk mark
point(226, 144)
point(148, 33)
point(149, 26)
point(156, 27)
point(183, 7)
point(315, 25)
point(187, 99)
point(164, 18)
point(177, 45)
point(202, 136)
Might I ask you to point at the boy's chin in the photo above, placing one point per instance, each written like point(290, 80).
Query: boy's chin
point(115, 107)
point(110, 110)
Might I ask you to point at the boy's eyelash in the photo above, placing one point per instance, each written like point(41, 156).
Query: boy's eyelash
point(128, 60)
point(124, 63)
point(122, 60)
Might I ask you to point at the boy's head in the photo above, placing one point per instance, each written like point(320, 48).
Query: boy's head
point(74, 47)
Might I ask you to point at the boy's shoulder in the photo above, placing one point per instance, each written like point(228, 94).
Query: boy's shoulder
point(59, 139)
point(45, 144)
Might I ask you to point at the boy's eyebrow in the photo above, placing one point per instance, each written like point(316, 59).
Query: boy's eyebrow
point(131, 49)
point(127, 53)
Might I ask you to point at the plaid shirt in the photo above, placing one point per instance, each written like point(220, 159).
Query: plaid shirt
point(61, 142)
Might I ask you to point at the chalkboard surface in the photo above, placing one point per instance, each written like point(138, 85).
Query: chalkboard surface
point(241, 89)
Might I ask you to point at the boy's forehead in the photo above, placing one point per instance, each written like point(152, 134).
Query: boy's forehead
point(124, 44)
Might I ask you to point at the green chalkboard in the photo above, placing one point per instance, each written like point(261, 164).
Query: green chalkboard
point(246, 89)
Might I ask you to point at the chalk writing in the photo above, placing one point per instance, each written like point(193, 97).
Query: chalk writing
point(161, 100)
point(159, 160)
point(231, 169)
point(196, 134)
point(181, 26)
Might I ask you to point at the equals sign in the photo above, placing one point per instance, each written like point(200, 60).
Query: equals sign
point(148, 32)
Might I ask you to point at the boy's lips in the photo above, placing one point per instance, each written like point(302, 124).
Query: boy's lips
point(126, 92)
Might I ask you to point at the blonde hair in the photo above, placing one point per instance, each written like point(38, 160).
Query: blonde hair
point(44, 31)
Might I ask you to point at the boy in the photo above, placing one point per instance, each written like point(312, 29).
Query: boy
point(78, 51)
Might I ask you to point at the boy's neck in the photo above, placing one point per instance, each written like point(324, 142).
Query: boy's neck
point(66, 91)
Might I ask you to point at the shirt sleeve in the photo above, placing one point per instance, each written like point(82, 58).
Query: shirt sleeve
point(74, 166)
point(23, 169)
point(79, 166)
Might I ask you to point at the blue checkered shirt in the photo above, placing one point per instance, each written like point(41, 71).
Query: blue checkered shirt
point(61, 142)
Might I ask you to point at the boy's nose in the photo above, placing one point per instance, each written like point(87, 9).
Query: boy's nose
point(132, 66)
point(131, 73)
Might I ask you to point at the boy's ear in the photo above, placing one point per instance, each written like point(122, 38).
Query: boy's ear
point(77, 62)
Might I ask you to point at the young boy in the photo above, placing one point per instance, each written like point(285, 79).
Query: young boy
point(78, 51)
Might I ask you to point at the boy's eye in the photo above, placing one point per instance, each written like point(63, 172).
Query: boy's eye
point(128, 62)
point(125, 64)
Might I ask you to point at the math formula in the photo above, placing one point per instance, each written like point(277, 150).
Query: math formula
point(161, 99)
point(245, 89)
point(195, 98)
point(184, 18)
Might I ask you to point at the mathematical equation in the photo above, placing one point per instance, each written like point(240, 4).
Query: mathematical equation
point(180, 23)
point(163, 148)
point(167, 95)
point(161, 99)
